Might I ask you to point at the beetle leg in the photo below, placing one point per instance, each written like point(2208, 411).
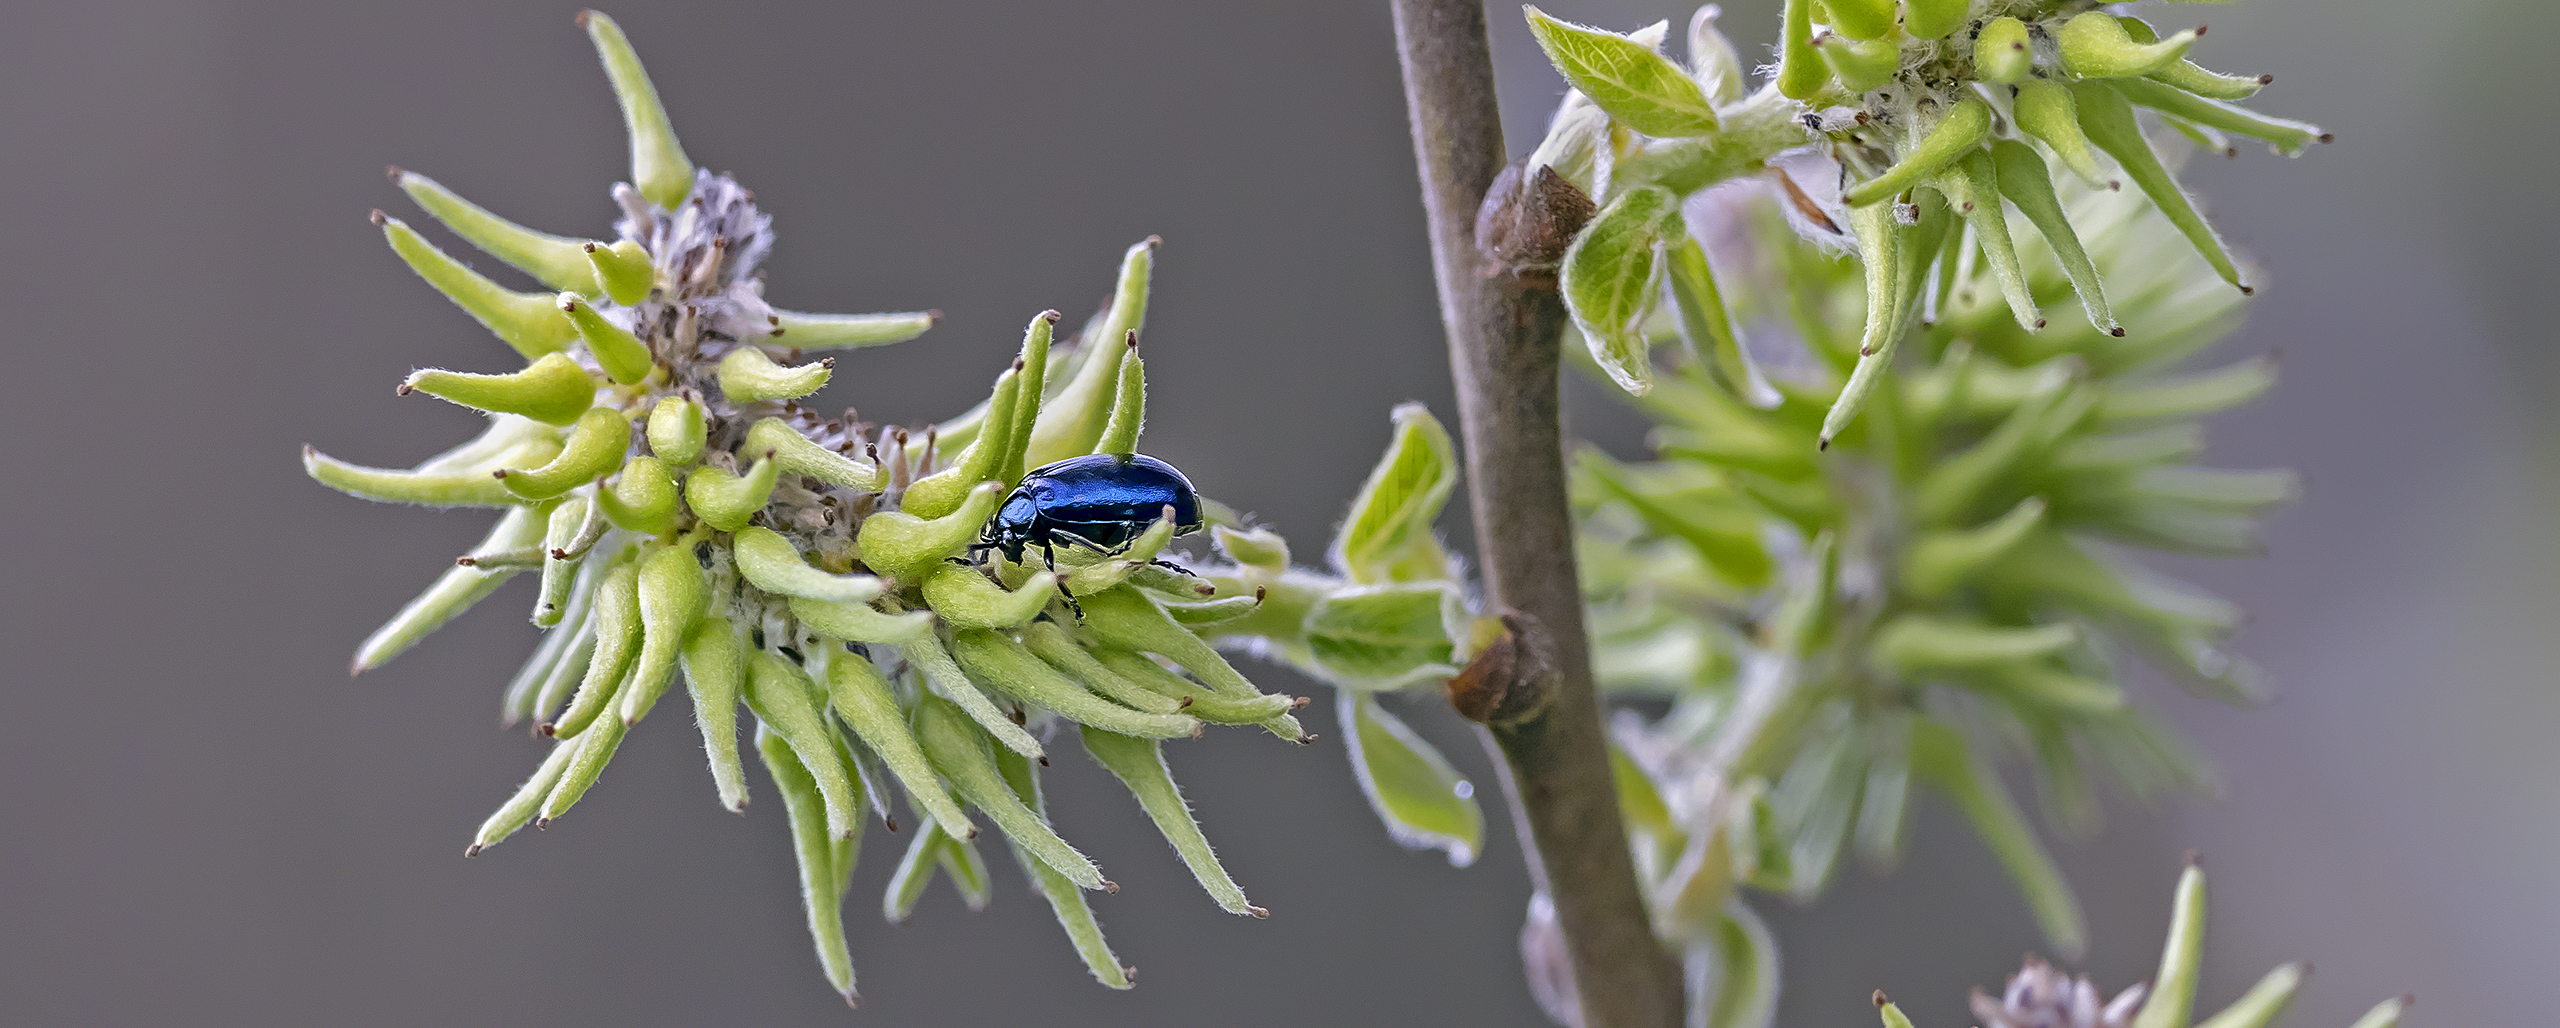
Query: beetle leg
point(1173, 567)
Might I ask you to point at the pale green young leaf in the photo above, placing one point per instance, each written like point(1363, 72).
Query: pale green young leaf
point(1417, 794)
point(1608, 282)
point(1393, 512)
point(1634, 83)
point(1745, 986)
point(1383, 636)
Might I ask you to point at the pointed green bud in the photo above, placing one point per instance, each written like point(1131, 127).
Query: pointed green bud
point(1933, 19)
point(1883, 253)
point(573, 525)
point(1267, 709)
point(715, 677)
point(1891, 1012)
point(526, 321)
point(1127, 618)
point(673, 595)
point(2188, 396)
point(914, 873)
point(1072, 421)
point(591, 752)
point(1801, 73)
point(622, 269)
point(1860, 19)
point(943, 677)
point(796, 454)
point(1139, 764)
point(2385, 1014)
point(843, 331)
point(940, 493)
point(1707, 325)
point(724, 500)
point(783, 697)
point(1052, 644)
point(623, 355)
point(676, 430)
point(658, 164)
point(453, 592)
point(1955, 134)
point(771, 563)
point(2188, 76)
point(1258, 548)
point(904, 546)
point(860, 622)
point(1959, 482)
point(2285, 135)
point(2094, 45)
point(1196, 616)
point(558, 261)
point(1712, 60)
point(964, 597)
point(1972, 184)
point(552, 693)
point(1937, 561)
point(2108, 119)
point(1859, 65)
point(553, 389)
point(2028, 184)
point(960, 753)
point(519, 808)
point(2001, 52)
point(1005, 666)
point(2263, 1003)
point(968, 871)
point(595, 446)
point(2173, 990)
point(426, 489)
point(642, 498)
point(616, 621)
point(2045, 110)
point(1066, 900)
point(821, 881)
point(1101, 575)
point(1626, 77)
point(864, 703)
point(1128, 406)
point(1027, 402)
point(747, 374)
point(1918, 642)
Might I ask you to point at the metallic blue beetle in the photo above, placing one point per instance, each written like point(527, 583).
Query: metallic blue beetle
point(1100, 500)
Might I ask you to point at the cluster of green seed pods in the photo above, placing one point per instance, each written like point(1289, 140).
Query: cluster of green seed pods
point(1949, 584)
point(688, 519)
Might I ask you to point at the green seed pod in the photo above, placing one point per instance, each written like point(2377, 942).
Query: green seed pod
point(838, 331)
point(858, 621)
point(915, 871)
point(1937, 561)
point(672, 598)
point(2041, 686)
point(965, 598)
point(526, 321)
point(622, 354)
point(1071, 422)
point(2188, 396)
point(676, 430)
point(905, 546)
point(1128, 405)
point(2094, 45)
point(724, 500)
point(2028, 184)
point(960, 753)
point(822, 880)
point(1860, 19)
point(1126, 617)
point(2188, 76)
point(596, 446)
point(1917, 642)
point(1139, 764)
point(641, 498)
point(940, 493)
point(1035, 378)
point(747, 374)
point(1258, 548)
point(2001, 52)
point(943, 677)
point(783, 697)
point(1932, 19)
point(623, 270)
point(1196, 616)
point(2286, 136)
point(616, 619)
point(1885, 254)
point(426, 489)
point(558, 261)
point(864, 703)
point(658, 164)
point(1271, 710)
point(1972, 185)
point(2108, 119)
point(591, 752)
point(2173, 990)
point(575, 523)
point(453, 592)
point(799, 456)
point(715, 678)
point(1051, 643)
point(1955, 134)
point(553, 389)
point(1860, 65)
point(772, 564)
point(1004, 665)
point(519, 808)
point(1801, 73)
point(2045, 110)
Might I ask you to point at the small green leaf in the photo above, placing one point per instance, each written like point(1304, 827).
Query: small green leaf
point(1628, 79)
point(1745, 955)
point(1380, 637)
point(2263, 1003)
point(1420, 798)
point(1391, 517)
point(2173, 990)
point(1608, 282)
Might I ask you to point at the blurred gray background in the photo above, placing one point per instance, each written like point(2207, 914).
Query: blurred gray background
point(203, 821)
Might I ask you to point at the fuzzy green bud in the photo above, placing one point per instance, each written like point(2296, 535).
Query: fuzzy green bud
point(715, 677)
point(783, 697)
point(673, 596)
point(2094, 44)
point(642, 497)
point(558, 261)
point(596, 445)
point(526, 321)
point(676, 430)
point(797, 455)
point(940, 493)
point(616, 624)
point(622, 269)
point(904, 546)
point(771, 563)
point(1960, 130)
point(964, 597)
point(863, 702)
point(748, 374)
point(658, 164)
point(725, 500)
point(2001, 52)
point(1860, 65)
point(1932, 19)
point(840, 331)
point(1072, 421)
point(1001, 663)
point(553, 389)
point(960, 753)
point(619, 351)
point(2045, 110)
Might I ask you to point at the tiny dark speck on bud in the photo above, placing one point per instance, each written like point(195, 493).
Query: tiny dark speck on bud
point(1051, 317)
point(403, 389)
point(2039, 322)
point(377, 217)
point(1114, 887)
point(1879, 998)
point(1044, 760)
point(2117, 331)
point(827, 363)
point(2200, 30)
point(2248, 290)
point(1153, 242)
point(2266, 79)
point(892, 821)
point(393, 172)
point(1823, 443)
point(472, 850)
